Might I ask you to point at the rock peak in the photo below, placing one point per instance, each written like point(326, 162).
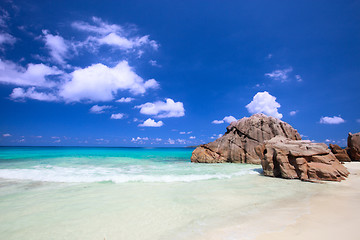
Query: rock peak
point(242, 136)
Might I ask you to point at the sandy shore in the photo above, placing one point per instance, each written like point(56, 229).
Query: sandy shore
point(333, 214)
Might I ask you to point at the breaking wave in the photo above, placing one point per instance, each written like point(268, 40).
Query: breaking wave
point(116, 175)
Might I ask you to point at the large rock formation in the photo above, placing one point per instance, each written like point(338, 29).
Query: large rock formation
point(238, 144)
point(285, 158)
point(339, 153)
point(353, 148)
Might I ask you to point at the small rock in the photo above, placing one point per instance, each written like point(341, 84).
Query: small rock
point(353, 148)
point(340, 154)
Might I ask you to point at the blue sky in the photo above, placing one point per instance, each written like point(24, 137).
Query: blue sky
point(175, 73)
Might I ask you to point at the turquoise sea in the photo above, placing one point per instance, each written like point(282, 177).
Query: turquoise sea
point(132, 193)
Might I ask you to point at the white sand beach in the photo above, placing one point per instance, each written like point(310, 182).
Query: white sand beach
point(332, 213)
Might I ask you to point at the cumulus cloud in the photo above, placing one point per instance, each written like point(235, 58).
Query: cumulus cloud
point(99, 109)
point(57, 46)
point(293, 113)
point(151, 123)
point(227, 119)
point(6, 135)
point(33, 75)
point(280, 75)
point(94, 83)
point(192, 137)
point(114, 35)
point(217, 122)
point(31, 93)
point(125, 100)
point(101, 83)
point(331, 120)
point(265, 103)
point(160, 109)
point(117, 116)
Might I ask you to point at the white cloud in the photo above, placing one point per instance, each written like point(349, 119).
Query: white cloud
point(228, 119)
point(293, 113)
point(100, 83)
point(185, 132)
point(269, 56)
point(4, 17)
point(151, 123)
point(139, 139)
point(166, 109)
point(6, 135)
point(192, 137)
point(21, 94)
point(217, 122)
point(33, 75)
point(123, 43)
point(181, 141)
point(125, 100)
point(99, 27)
point(99, 109)
point(158, 139)
point(6, 38)
point(298, 78)
point(331, 120)
point(280, 75)
point(265, 103)
point(57, 46)
point(117, 116)
point(112, 35)
point(358, 120)
point(171, 141)
point(154, 63)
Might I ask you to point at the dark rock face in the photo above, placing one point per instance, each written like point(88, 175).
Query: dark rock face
point(353, 148)
point(340, 154)
point(304, 160)
point(238, 144)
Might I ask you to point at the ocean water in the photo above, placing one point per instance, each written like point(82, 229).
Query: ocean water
point(134, 193)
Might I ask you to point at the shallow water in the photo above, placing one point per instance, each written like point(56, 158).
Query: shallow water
point(130, 193)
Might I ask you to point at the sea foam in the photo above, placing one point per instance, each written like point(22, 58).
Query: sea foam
point(116, 175)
